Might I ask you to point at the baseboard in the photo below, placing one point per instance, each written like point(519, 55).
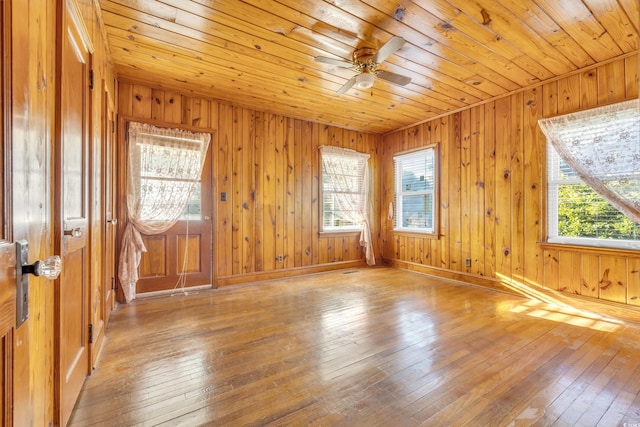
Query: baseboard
point(459, 276)
point(239, 279)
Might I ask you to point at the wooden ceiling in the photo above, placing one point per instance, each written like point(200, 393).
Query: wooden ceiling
point(260, 53)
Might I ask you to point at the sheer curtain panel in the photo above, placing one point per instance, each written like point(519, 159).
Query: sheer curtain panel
point(602, 146)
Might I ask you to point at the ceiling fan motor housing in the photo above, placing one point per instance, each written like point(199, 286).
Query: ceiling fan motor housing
point(363, 58)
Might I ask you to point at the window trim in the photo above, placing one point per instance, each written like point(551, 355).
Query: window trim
point(123, 126)
point(327, 231)
point(435, 232)
point(552, 186)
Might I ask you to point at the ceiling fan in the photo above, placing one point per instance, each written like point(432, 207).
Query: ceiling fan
point(365, 62)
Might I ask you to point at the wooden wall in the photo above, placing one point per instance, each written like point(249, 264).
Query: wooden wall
point(33, 90)
point(492, 193)
point(268, 166)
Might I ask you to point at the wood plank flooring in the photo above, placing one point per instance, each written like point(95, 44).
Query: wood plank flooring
point(362, 347)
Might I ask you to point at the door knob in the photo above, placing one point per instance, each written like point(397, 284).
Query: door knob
point(48, 268)
point(207, 218)
point(113, 221)
point(73, 232)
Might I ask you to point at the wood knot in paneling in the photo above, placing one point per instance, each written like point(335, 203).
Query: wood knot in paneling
point(486, 18)
point(605, 283)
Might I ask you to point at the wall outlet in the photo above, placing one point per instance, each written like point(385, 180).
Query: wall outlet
point(467, 262)
point(280, 258)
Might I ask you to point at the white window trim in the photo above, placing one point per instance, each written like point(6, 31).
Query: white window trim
point(324, 229)
point(553, 182)
point(397, 227)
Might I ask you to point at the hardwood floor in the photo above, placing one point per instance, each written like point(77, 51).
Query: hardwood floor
point(365, 347)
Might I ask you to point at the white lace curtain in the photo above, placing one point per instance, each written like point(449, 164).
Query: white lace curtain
point(338, 164)
point(602, 146)
point(164, 167)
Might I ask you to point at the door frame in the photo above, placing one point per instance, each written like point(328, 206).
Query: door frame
point(69, 16)
point(109, 184)
point(121, 202)
point(6, 234)
point(7, 249)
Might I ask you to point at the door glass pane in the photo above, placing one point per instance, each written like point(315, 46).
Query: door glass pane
point(192, 210)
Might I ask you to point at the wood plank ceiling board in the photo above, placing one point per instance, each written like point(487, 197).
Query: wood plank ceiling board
point(259, 54)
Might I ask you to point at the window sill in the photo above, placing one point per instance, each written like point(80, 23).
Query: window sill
point(589, 249)
point(407, 233)
point(341, 233)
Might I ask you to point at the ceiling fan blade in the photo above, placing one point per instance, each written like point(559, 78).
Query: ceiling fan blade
point(336, 62)
point(393, 77)
point(348, 85)
point(388, 49)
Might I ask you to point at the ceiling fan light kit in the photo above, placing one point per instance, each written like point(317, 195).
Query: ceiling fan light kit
point(365, 62)
point(364, 80)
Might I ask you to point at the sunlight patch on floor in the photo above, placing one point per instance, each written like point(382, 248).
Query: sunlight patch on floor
point(544, 306)
point(567, 315)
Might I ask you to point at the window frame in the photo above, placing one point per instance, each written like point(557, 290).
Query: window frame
point(341, 229)
point(435, 192)
point(552, 200)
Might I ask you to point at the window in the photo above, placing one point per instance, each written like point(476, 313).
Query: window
point(164, 169)
point(415, 183)
point(344, 189)
point(166, 178)
point(593, 175)
point(579, 215)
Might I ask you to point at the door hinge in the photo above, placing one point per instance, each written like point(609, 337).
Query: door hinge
point(113, 283)
point(91, 79)
point(90, 333)
point(113, 126)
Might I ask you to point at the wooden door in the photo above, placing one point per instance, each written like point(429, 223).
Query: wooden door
point(71, 214)
point(184, 247)
point(109, 203)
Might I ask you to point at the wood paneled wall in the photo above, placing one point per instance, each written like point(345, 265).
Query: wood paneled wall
point(268, 166)
point(492, 191)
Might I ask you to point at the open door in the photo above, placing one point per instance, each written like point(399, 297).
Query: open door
point(71, 216)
